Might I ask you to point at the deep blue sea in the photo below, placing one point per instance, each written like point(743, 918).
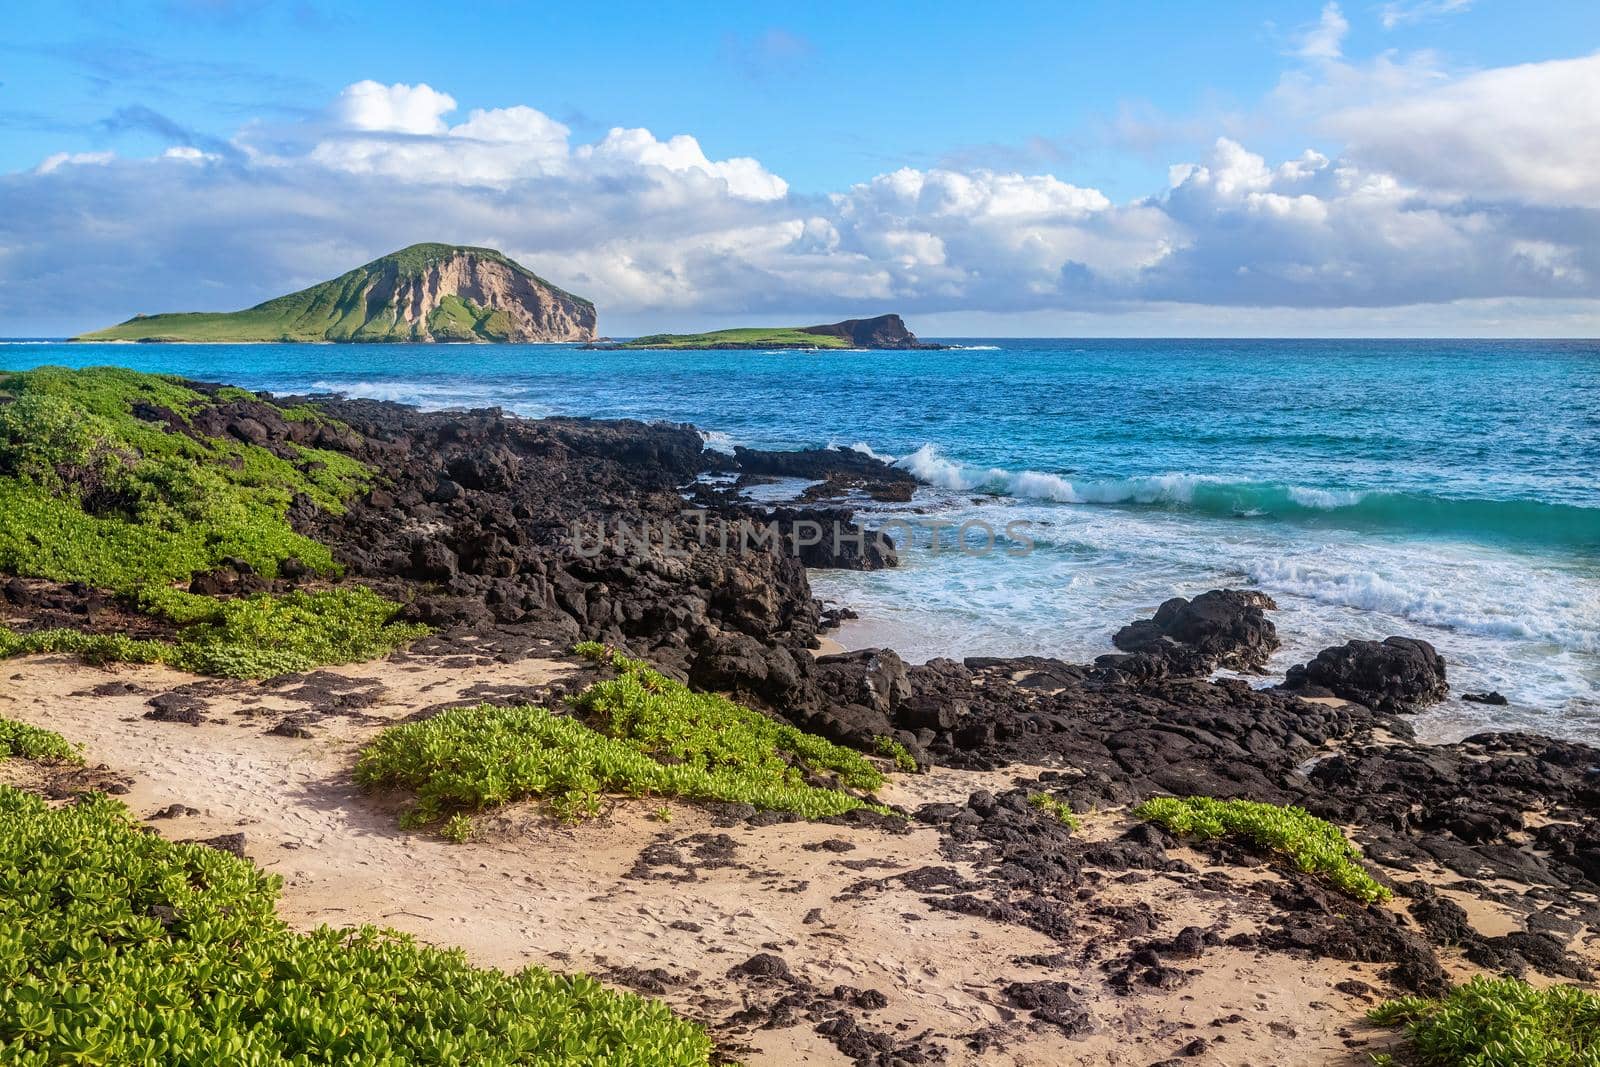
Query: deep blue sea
point(1448, 490)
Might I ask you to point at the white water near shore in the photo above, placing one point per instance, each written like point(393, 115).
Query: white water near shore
point(1507, 621)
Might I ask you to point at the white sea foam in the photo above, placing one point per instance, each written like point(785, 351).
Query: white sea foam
point(929, 465)
point(1325, 498)
point(716, 441)
point(1523, 605)
point(427, 395)
point(867, 450)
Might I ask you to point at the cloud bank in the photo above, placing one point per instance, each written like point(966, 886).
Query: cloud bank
point(1481, 187)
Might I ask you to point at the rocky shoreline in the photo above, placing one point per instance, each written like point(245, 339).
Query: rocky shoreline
point(515, 539)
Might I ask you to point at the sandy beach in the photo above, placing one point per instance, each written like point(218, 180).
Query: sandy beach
point(674, 906)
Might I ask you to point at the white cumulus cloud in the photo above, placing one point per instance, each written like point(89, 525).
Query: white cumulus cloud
point(1480, 188)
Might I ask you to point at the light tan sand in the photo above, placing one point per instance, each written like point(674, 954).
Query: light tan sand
point(530, 891)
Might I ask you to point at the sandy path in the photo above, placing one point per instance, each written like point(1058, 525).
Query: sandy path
point(530, 891)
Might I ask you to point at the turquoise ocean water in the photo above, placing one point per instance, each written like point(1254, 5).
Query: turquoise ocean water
point(1448, 490)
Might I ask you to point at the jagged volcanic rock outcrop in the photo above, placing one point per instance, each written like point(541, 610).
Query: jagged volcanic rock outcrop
point(1222, 628)
point(1395, 674)
point(426, 292)
point(881, 331)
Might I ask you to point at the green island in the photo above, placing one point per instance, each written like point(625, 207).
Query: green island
point(882, 331)
point(743, 337)
point(106, 480)
point(387, 300)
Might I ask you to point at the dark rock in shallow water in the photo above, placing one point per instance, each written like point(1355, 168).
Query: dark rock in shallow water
point(1395, 674)
point(1222, 628)
point(1493, 697)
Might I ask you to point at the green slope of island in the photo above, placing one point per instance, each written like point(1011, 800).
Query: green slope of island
point(882, 331)
point(426, 292)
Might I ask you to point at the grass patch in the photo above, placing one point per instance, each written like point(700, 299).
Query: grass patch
point(251, 637)
point(639, 734)
point(1498, 1022)
point(118, 947)
point(97, 487)
point(19, 740)
point(1311, 844)
point(1059, 808)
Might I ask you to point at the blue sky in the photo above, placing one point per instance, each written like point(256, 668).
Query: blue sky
point(1034, 146)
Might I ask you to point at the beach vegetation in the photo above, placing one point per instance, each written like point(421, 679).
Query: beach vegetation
point(18, 740)
point(104, 481)
point(1497, 1022)
point(247, 637)
point(1058, 808)
point(119, 947)
point(1313, 845)
point(639, 734)
point(890, 748)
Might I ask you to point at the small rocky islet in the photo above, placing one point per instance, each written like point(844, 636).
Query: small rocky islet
point(467, 524)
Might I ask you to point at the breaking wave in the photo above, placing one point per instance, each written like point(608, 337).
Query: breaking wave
point(1530, 521)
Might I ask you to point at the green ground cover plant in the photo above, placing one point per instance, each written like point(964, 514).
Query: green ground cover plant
point(1059, 808)
point(21, 741)
point(892, 749)
point(250, 637)
point(1497, 1022)
point(639, 734)
point(118, 947)
point(97, 486)
point(1311, 844)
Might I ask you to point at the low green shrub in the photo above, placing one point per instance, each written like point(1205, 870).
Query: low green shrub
point(1311, 844)
point(95, 648)
point(118, 947)
point(260, 636)
point(1498, 1022)
point(100, 484)
point(892, 749)
point(250, 637)
point(639, 734)
point(1059, 808)
point(31, 743)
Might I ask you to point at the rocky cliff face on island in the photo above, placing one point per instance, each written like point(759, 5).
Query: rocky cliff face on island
point(426, 292)
point(881, 331)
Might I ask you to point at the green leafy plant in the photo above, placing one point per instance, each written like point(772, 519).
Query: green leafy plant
point(18, 739)
point(894, 750)
point(1059, 808)
point(638, 734)
point(1311, 844)
point(118, 947)
point(458, 828)
point(251, 637)
point(103, 480)
point(1498, 1022)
